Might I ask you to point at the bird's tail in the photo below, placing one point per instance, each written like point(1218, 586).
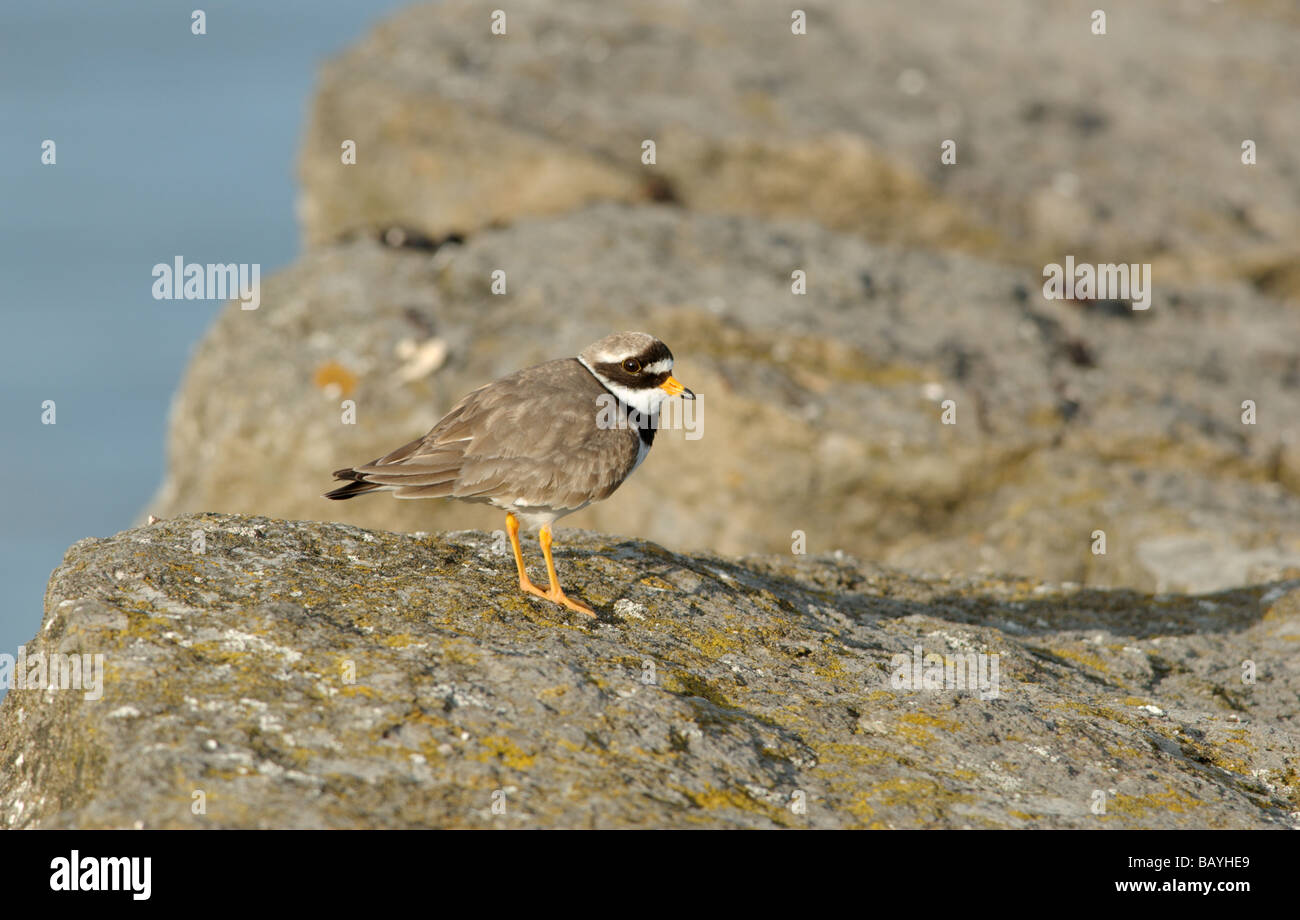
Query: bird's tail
point(356, 485)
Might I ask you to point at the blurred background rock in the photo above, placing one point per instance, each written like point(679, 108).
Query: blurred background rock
point(820, 153)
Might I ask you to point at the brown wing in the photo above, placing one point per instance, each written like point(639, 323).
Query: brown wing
point(531, 436)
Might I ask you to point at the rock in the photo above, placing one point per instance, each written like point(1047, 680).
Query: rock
point(821, 413)
point(457, 130)
point(1124, 146)
point(295, 674)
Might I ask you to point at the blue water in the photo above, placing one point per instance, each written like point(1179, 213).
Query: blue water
point(167, 144)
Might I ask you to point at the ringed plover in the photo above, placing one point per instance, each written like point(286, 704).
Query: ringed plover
point(537, 444)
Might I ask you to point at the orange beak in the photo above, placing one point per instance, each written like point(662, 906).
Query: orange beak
point(673, 388)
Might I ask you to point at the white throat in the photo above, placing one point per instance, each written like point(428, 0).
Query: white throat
point(647, 400)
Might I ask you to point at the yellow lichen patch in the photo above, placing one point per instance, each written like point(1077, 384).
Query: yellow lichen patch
point(149, 628)
point(654, 581)
point(1087, 659)
point(501, 748)
point(713, 799)
point(460, 653)
point(418, 715)
point(1206, 753)
point(1137, 806)
point(214, 773)
point(713, 644)
point(860, 808)
point(398, 640)
point(828, 665)
point(334, 379)
point(838, 757)
point(1105, 712)
point(212, 652)
point(1285, 607)
point(1123, 753)
point(925, 796)
point(360, 690)
point(694, 685)
point(914, 727)
point(429, 751)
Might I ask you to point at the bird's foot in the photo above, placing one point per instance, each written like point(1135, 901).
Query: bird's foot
point(557, 596)
point(564, 600)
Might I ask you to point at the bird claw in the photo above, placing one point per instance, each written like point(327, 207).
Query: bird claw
point(557, 596)
point(577, 606)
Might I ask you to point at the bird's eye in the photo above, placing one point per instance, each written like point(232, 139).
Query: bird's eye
point(632, 365)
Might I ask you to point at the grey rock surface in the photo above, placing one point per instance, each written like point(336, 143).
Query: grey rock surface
point(297, 674)
point(1117, 147)
point(821, 413)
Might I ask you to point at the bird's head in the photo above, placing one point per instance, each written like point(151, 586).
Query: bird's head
point(635, 367)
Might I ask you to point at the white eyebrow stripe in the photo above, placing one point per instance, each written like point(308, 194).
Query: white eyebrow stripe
point(658, 367)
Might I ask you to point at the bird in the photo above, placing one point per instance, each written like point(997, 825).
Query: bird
point(539, 444)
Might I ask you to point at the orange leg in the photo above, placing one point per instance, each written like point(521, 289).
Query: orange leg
point(512, 528)
point(556, 593)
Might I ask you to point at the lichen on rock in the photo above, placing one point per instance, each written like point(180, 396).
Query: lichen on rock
point(301, 674)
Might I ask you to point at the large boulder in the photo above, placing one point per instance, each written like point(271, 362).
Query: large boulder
point(1125, 146)
point(1077, 422)
point(821, 413)
point(264, 673)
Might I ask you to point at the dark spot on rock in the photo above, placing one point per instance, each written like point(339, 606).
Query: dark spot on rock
point(1078, 352)
point(660, 189)
point(421, 320)
point(1034, 111)
point(1212, 369)
point(398, 237)
point(1089, 121)
point(1291, 378)
point(1116, 309)
point(958, 359)
point(1278, 277)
